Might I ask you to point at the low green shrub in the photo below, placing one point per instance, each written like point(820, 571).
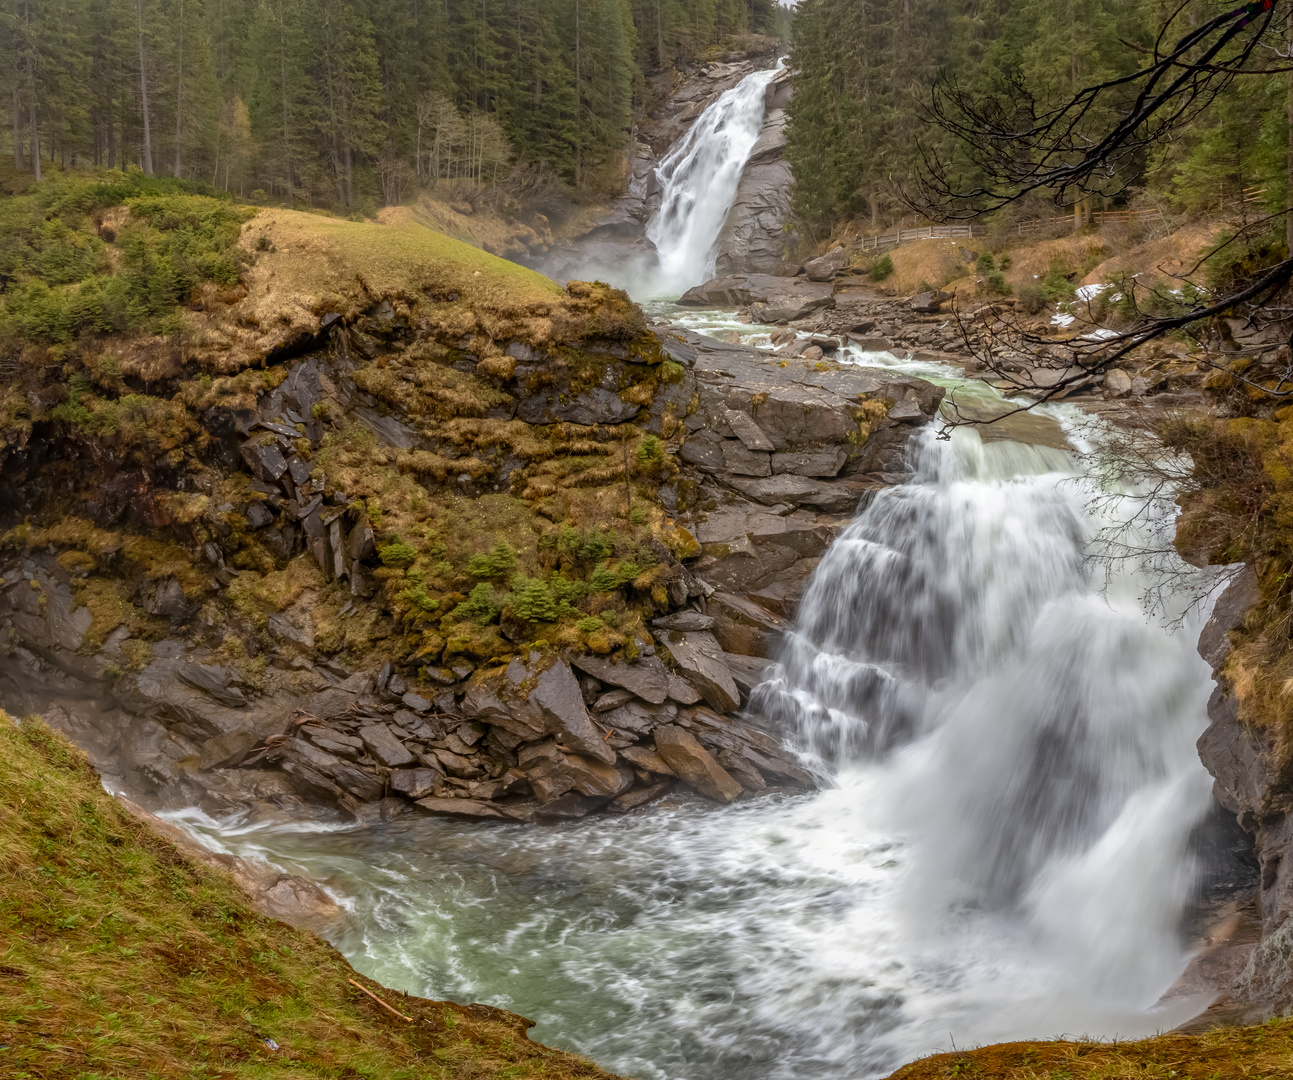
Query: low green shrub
point(880, 268)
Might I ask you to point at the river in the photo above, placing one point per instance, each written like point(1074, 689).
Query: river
point(1004, 853)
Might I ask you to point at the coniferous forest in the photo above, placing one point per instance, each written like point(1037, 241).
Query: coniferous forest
point(341, 102)
point(862, 123)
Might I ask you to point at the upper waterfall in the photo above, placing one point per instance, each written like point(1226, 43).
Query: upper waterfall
point(698, 181)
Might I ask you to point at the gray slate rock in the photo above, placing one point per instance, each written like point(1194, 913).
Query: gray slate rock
point(737, 459)
point(612, 700)
point(645, 758)
point(1228, 614)
point(698, 656)
point(266, 461)
point(415, 783)
point(557, 695)
point(827, 462)
point(684, 620)
point(681, 691)
point(645, 677)
point(826, 266)
point(745, 429)
point(552, 772)
point(384, 746)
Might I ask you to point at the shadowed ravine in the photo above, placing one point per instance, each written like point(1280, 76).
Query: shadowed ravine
point(1004, 853)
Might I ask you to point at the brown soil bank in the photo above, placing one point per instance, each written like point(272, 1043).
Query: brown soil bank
point(120, 956)
point(1261, 1052)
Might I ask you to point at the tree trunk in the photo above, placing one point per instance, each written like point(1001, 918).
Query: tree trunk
point(31, 114)
point(659, 34)
point(143, 92)
point(1288, 195)
point(282, 77)
point(179, 95)
point(579, 94)
point(17, 129)
point(112, 135)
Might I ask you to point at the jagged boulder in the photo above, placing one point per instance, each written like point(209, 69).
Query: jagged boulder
point(383, 744)
point(553, 771)
point(695, 765)
point(697, 655)
point(645, 677)
point(825, 267)
point(533, 699)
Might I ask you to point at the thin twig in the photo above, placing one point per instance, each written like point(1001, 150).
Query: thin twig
point(388, 1008)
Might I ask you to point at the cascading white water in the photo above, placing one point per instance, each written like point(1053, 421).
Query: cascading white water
point(698, 182)
point(1003, 855)
point(1039, 735)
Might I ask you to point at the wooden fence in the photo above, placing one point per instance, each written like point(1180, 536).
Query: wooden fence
point(1099, 217)
point(924, 232)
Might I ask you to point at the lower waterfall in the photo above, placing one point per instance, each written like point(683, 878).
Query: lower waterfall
point(1004, 853)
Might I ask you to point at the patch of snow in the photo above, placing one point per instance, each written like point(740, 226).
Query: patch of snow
point(1102, 333)
point(1061, 320)
point(1090, 292)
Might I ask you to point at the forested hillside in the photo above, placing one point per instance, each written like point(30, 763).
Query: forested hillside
point(341, 101)
point(861, 111)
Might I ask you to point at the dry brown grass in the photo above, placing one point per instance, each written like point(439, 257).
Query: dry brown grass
point(924, 264)
point(120, 957)
point(1161, 260)
point(1261, 1052)
point(1029, 263)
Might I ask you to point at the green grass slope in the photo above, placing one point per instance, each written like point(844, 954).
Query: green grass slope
point(122, 958)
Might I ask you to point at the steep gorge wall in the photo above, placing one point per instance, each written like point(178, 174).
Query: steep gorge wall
point(402, 523)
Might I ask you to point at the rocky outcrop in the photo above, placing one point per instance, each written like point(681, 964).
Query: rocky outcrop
point(758, 235)
point(1253, 971)
point(769, 298)
point(193, 679)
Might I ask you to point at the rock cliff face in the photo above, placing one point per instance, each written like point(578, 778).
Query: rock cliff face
point(1248, 784)
point(758, 233)
point(519, 565)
